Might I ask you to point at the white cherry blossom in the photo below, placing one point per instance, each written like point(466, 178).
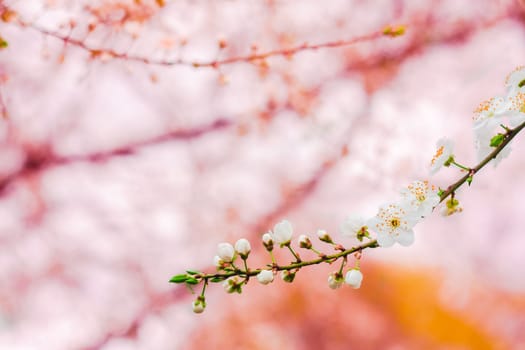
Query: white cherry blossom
point(394, 223)
point(484, 131)
point(354, 226)
point(444, 151)
point(515, 81)
point(516, 108)
point(421, 197)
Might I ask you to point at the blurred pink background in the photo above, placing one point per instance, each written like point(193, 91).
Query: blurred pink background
point(117, 173)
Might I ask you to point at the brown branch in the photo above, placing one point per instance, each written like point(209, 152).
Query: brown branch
point(40, 157)
point(215, 63)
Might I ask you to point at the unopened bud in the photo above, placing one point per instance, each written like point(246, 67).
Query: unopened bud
point(287, 276)
point(354, 278)
point(265, 276)
point(335, 280)
point(324, 236)
point(304, 242)
point(232, 285)
point(218, 262)
point(268, 241)
point(282, 232)
point(199, 305)
point(242, 246)
point(226, 252)
point(452, 207)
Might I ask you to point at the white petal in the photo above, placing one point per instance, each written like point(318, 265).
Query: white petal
point(405, 238)
point(283, 231)
point(372, 223)
point(351, 226)
point(503, 154)
point(384, 240)
point(514, 79)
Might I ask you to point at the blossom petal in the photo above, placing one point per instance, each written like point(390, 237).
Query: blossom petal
point(405, 238)
point(384, 240)
point(351, 226)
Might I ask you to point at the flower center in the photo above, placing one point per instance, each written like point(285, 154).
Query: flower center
point(395, 222)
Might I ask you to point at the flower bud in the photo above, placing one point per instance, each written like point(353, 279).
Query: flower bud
point(304, 242)
point(242, 246)
point(354, 278)
point(324, 236)
point(225, 252)
point(287, 276)
point(335, 280)
point(265, 276)
point(217, 262)
point(452, 207)
point(268, 241)
point(232, 285)
point(282, 232)
point(199, 305)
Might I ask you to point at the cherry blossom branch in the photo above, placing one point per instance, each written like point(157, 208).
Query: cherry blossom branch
point(393, 223)
point(297, 265)
point(511, 133)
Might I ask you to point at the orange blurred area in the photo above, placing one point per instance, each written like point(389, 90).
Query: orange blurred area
point(396, 308)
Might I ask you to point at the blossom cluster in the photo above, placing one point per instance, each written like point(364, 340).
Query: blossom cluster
point(394, 222)
point(497, 111)
point(280, 236)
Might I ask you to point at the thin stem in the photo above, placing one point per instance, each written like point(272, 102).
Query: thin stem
point(297, 258)
point(273, 257)
point(245, 266)
point(204, 287)
point(343, 263)
point(316, 251)
point(460, 166)
point(235, 268)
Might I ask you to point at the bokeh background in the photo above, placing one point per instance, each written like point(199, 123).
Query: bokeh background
point(122, 163)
